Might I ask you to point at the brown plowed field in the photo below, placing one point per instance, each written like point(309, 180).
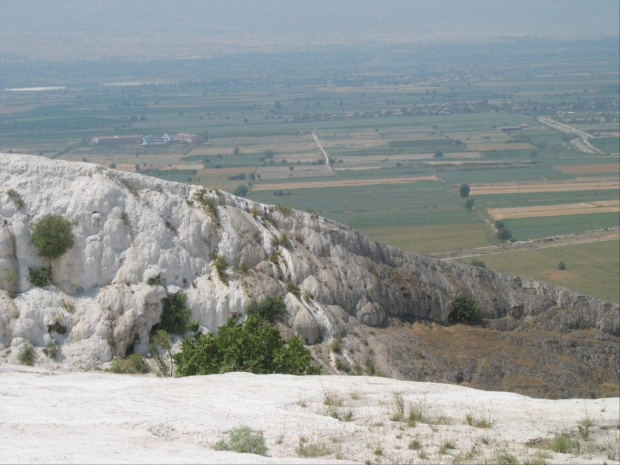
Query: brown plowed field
point(561, 186)
point(603, 206)
point(583, 169)
point(341, 183)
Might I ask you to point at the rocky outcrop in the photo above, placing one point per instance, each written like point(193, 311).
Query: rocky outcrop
point(137, 239)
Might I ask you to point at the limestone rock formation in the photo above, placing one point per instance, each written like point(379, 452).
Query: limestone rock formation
point(137, 239)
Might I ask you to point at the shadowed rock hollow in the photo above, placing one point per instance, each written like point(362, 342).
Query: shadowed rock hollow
point(138, 239)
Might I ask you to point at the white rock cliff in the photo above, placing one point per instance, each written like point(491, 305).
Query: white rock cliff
point(137, 239)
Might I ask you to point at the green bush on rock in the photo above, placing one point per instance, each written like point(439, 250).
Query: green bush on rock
point(254, 346)
point(175, 314)
point(465, 310)
point(52, 236)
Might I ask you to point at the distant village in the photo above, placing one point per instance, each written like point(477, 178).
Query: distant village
point(134, 139)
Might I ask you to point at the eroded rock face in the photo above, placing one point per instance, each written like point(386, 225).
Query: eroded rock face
point(138, 238)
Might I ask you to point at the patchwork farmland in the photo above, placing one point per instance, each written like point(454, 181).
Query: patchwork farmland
point(385, 150)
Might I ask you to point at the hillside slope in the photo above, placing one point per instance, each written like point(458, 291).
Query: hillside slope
point(138, 239)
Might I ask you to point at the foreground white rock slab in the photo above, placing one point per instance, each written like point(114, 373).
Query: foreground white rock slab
point(95, 417)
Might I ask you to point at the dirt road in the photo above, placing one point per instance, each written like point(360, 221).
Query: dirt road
point(316, 139)
point(544, 243)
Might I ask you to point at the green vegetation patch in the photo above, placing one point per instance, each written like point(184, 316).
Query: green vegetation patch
point(52, 236)
point(175, 314)
point(253, 346)
point(532, 228)
point(243, 441)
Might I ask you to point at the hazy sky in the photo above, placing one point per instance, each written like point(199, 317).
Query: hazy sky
point(87, 28)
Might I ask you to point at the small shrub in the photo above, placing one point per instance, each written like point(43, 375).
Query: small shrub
point(68, 306)
point(164, 360)
point(175, 314)
point(125, 218)
point(505, 458)
point(399, 404)
point(284, 209)
point(269, 309)
point(130, 187)
point(307, 295)
point(52, 236)
point(471, 420)
point(331, 399)
point(563, 444)
point(26, 355)
point(292, 288)
point(211, 207)
point(336, 345)
point(465, 310)
point(170, 226)
point(134, 364)
point(57, 327)
point(242, 441)
point(469, 204)
point(561, 266)
point(584, 427)
point(415, 445)
point(369, 364)
point(417, 413)
point(313, 449)
point(478, 263)
point(39, 276)
point(221, 264)
point(52, 350)
point(16, 198)
point(445, 447)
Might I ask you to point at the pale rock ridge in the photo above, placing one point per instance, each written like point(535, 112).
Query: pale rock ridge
point(139, 238)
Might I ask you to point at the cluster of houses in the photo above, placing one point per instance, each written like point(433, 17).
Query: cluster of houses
point(132, 139)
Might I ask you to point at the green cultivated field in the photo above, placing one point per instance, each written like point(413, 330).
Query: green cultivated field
point(593, 269)
point(532, 228)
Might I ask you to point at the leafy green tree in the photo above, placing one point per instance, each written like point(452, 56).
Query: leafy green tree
point(254, 346)
point(164, 360)
point(504, 234)
point(469, 204)
point(464, 190)
point(241, 191)
point(175, 314)
point(465, 310)
point(52, 236)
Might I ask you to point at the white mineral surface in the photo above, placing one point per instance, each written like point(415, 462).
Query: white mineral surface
point(98, 417)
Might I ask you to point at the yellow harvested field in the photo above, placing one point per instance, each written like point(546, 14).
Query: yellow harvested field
point(341, 183)
point(603, 206)
point(560, 186)
point(583, 169)
point(501, 146)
